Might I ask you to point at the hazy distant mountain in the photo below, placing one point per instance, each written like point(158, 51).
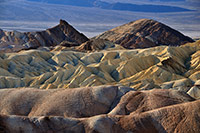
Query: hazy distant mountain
point(118, 5)
point(85, 3)
point(138, 8)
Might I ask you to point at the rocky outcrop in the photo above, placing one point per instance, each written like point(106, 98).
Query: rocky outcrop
point(144, 33)
point(63, 33)
point(182, 117)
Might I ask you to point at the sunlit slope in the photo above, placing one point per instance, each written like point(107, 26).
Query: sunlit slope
point(139, 68)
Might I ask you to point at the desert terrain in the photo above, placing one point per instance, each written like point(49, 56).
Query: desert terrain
point(143, 76)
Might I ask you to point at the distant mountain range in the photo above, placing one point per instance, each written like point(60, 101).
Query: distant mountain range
point(118, 5)
point(84, 3)
point(143, 33)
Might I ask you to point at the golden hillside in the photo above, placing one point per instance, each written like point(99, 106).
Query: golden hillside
point(157, 67)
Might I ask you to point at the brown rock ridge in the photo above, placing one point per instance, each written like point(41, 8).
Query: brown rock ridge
point(144, 33)
point(78, 102)
point(182, 118)
point(142, 101)
point(162, 117)
point(63, 33)
point(86, 102)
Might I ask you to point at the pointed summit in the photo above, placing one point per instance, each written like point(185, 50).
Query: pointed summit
point(63, 32)
point(63, 22)
point(145, 33)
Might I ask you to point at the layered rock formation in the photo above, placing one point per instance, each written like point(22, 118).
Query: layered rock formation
point(162, 117)
point(144, 33)
point(63, 33)
point(159, 67)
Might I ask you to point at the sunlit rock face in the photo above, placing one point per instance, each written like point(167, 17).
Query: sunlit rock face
point(144, 33)
point(15, 41)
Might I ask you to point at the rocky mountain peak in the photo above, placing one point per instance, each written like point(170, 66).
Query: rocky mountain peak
point(16, 41)
point(63, 22)
point(145, 33)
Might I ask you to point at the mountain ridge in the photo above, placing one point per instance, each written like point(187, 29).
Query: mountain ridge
point(144, 33)
point(16, 41)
